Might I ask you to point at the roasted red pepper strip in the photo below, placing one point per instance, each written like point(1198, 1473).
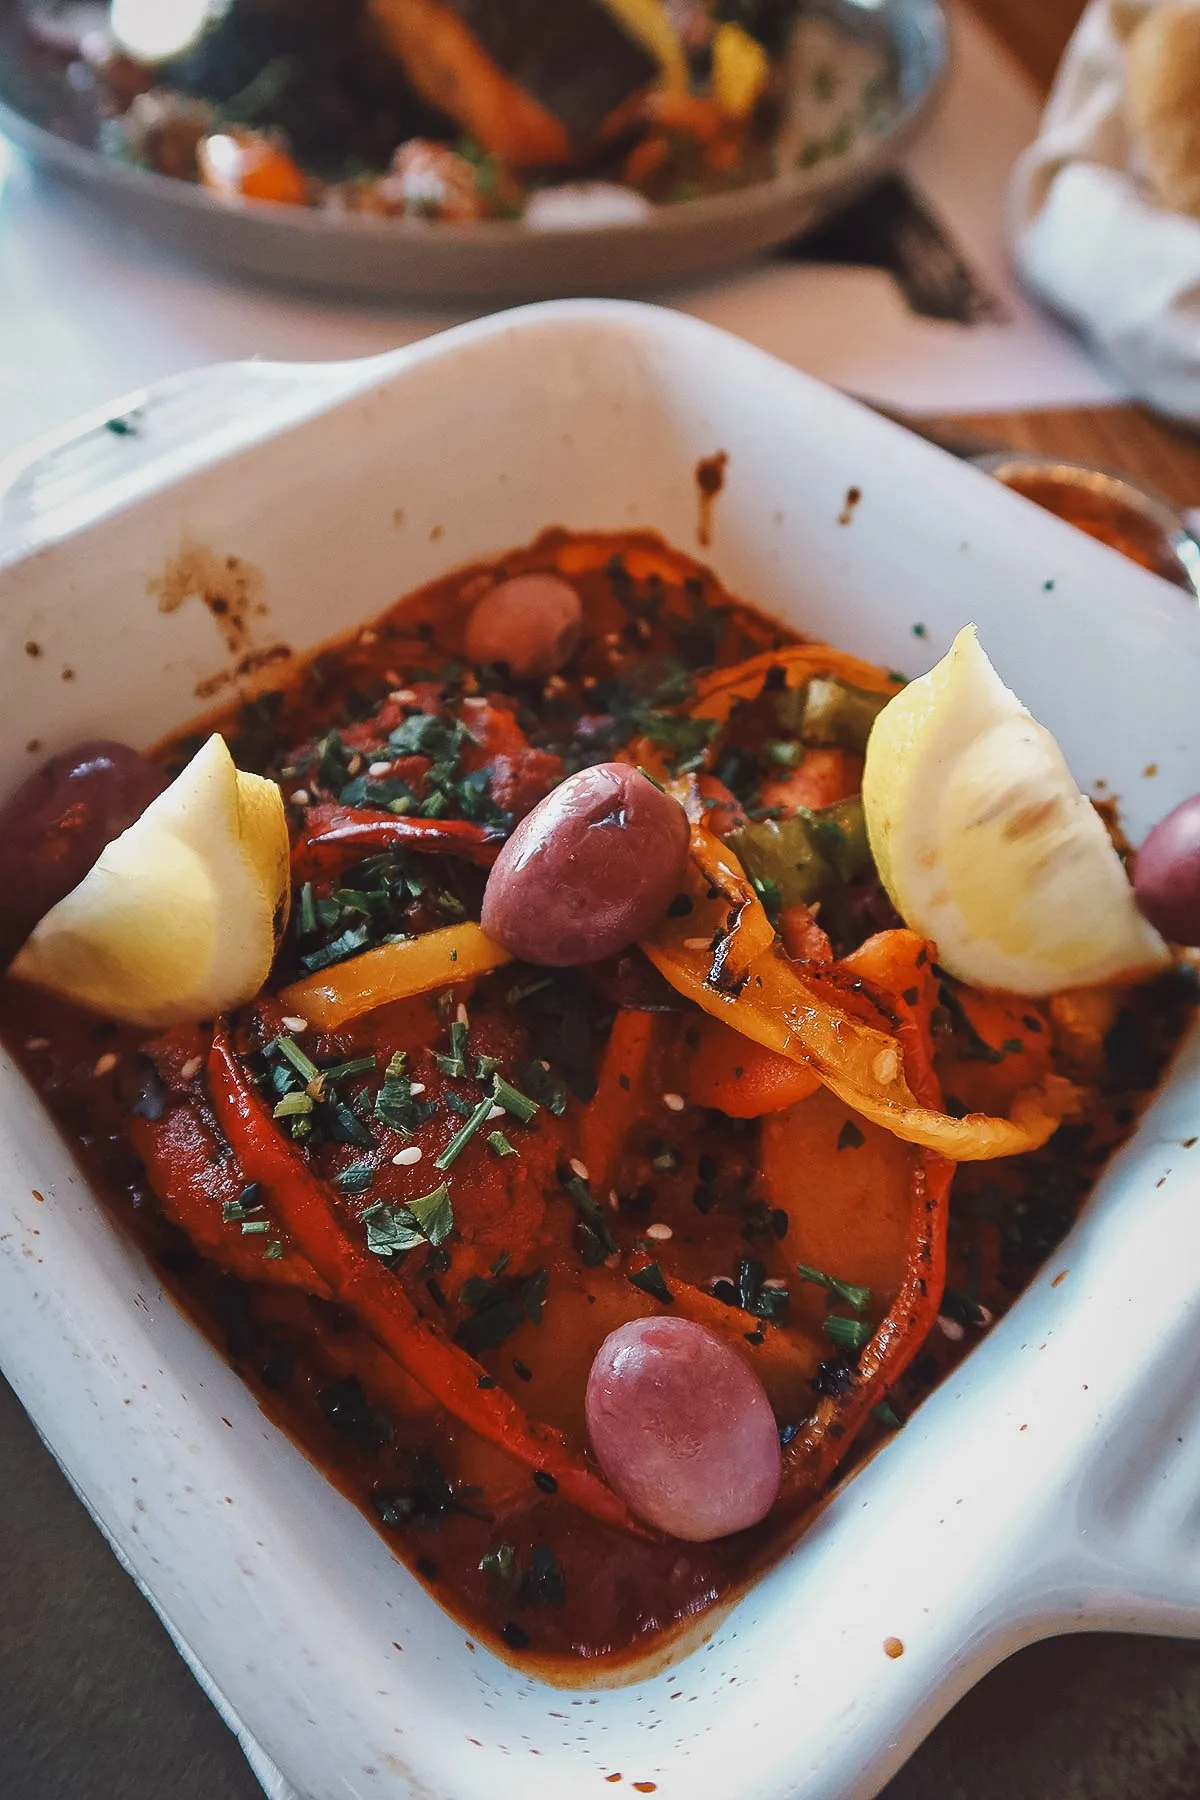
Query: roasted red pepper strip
point(305, 1207)
point(338, 836)
point(823, 1441)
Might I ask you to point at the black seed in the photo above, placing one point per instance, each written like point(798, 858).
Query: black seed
point(725, 1291)
point(704, 1199)
point(543, 1479)
point(833, 1377)
point(706, 1166)
point(426, 1566)
point(779, 1222)
point(755, 1337)
point(514, 1635)
point(680, 907)
point(486, 1381)
point(520, 1369)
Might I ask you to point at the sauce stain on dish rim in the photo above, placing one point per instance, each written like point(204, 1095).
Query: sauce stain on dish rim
point(233, 591)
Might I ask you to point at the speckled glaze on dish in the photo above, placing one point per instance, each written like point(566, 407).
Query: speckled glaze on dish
point(1049, 1483)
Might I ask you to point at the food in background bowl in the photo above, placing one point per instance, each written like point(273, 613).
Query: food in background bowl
point(577, 1187)
point(561, 112)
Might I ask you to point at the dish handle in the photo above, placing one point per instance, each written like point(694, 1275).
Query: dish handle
point(157, 434)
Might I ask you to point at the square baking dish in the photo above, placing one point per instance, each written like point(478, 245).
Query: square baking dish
point(1052, 1482)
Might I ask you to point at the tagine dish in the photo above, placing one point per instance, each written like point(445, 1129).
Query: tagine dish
point(592, 1059)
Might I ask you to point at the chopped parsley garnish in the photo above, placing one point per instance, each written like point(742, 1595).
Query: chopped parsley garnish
point(455, 1064)
point(652, 1281)
point(247, 1202)
point(303, 1065)
point(348, 944)
point(501, 1561)
point(545, 1088)
point(355, 1178)
point(753, 1295)
point(857, 1297)
point(849, 1334)
point(498, 1308)
point(463, 1136)
point(513, 1100)
point(592, 1235)
point(395, 1105)
point(291, 1105)
point(434, 1214)
point(306, 915)
point(392, 1230)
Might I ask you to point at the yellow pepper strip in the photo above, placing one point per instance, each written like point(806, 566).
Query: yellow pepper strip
point(785, 1009)
point(717, 694)
point(392, 972)
point(740, 71)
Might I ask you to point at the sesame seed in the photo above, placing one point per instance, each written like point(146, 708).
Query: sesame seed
point(295, 1024)
point(37, 1043)
point(886, 1065)
point(368, 636)
point(614, 1199)
point(392, 677)
point(106, 1063)
point(402, 696)
point(416, 1087)
point(462, 1016)
point(497, 1112)
point(190, 1069)
point(588, 683)
point(674, 1102)
point(404, 1159)
point(986, 1315)
point(776, 1282)
point(696, 943)
point(579, 1168)
point(354, 766)
point(612, 639)
point(613, 1261)
point(660, 1233)
point(950, 1328)
point(300, 797)
point(379, 768)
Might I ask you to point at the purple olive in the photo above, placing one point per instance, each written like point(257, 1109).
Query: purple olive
point(54, 827)
point(682, 1429)
point(530, 622)
point(1166, 874)
point(592, 867)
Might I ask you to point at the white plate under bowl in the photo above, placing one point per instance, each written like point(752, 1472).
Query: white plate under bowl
point(1052, 1482)
point(422, 259)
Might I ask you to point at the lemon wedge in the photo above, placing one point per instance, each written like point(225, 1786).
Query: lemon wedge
point(180, 917)
point(987, 846)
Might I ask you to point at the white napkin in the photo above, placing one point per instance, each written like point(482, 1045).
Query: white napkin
point(1087, 238)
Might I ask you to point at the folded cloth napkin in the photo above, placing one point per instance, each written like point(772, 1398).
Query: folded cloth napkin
point(1089, 238)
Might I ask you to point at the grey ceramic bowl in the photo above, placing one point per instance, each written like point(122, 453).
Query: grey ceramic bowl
point(495, 260)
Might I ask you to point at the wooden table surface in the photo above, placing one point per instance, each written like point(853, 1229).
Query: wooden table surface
point(1125, 439)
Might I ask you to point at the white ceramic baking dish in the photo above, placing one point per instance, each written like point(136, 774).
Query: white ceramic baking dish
point(1053, 1482)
